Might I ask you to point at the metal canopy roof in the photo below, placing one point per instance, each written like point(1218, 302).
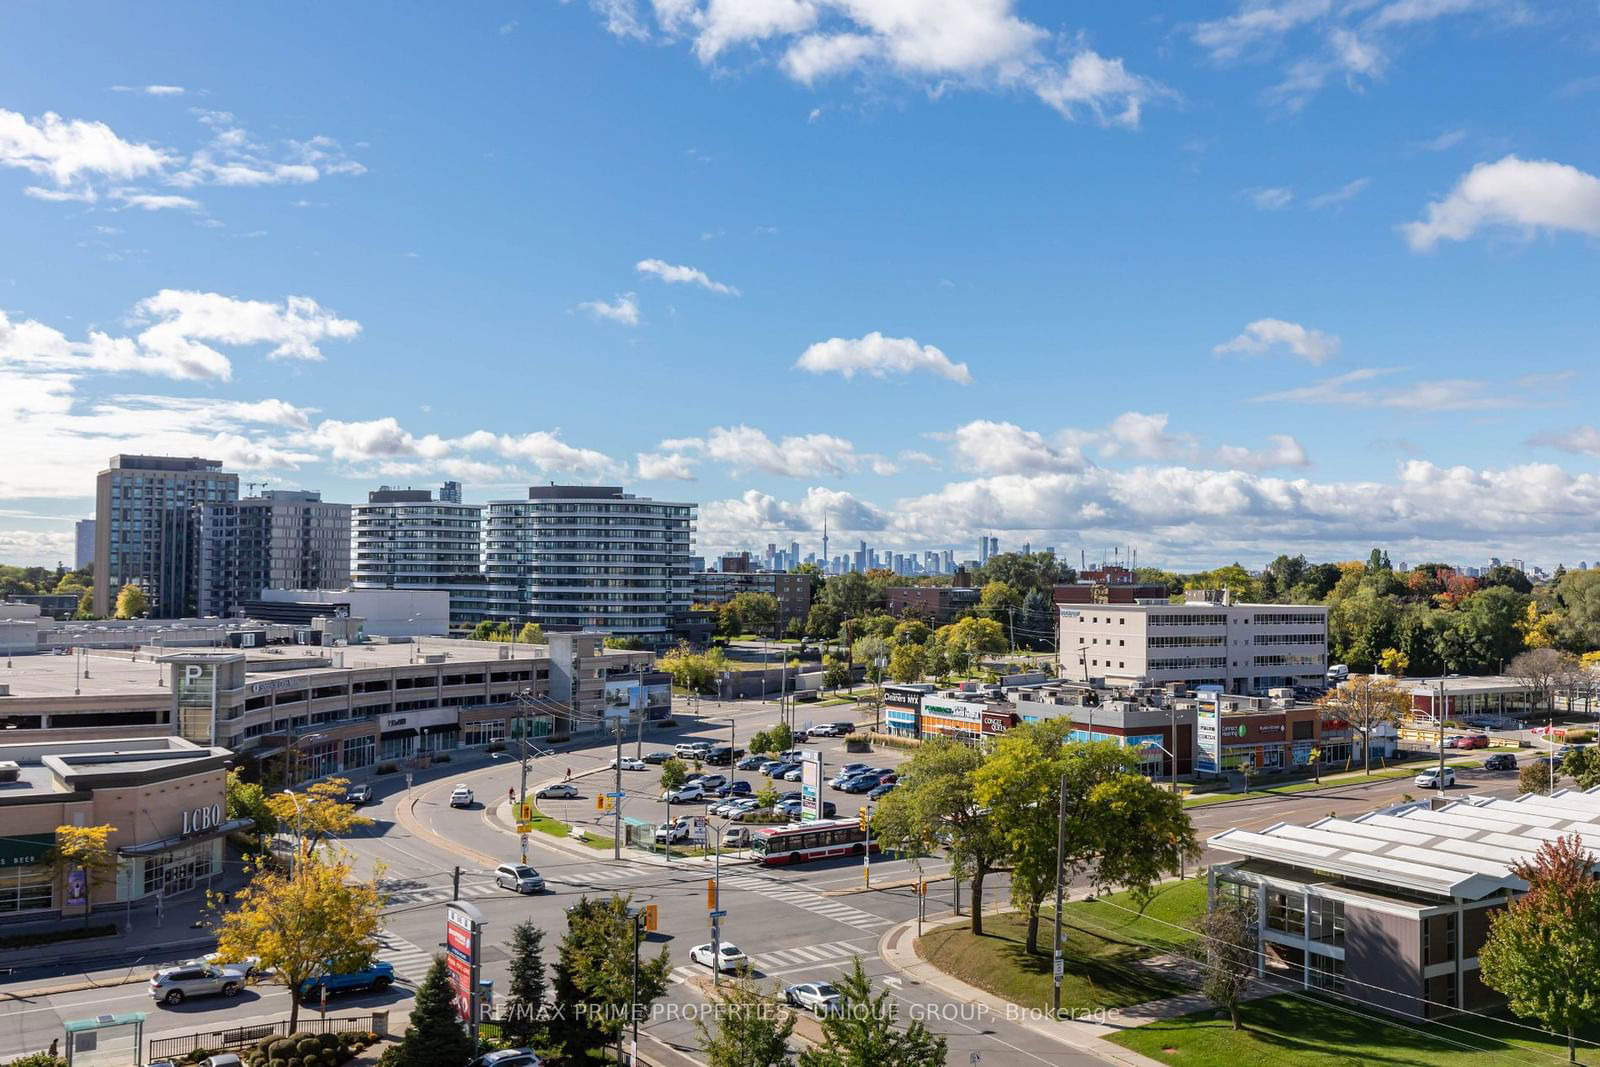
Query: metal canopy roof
point(1464, 849)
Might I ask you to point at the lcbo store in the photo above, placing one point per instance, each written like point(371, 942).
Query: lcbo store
point(163, 797)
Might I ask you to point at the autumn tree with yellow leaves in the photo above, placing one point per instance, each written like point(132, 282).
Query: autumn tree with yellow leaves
point(316, 813)
point(86, 849)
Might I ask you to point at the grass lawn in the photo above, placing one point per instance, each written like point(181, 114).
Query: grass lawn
point(1317, 1033)
point(1101, 945)
point(1388, 774)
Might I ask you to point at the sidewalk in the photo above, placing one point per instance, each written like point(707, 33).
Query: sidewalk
point(1087, 1034)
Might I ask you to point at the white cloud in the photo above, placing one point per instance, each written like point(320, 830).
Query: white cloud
point(879, 356)
point(1005, 448)
point(545, 450)
point(1263, 335)
point(173, 345)
point(1342, 195)
point(1258, 23)
point(150, 90)
point(668, 466)
point(275, 412)
point(37, 548)
point(735, 520)
point(73, 154)
point(935, 44)
point(1580, 440)
point(155, 201)
point(624, 309)
point(679, 275)
point(1271, 198)
point(911, 455)
point(1144, 436)
point(375, 438)
point(745, 448)
point(1445, 140)
point(1432, 394)
point(1525, 194)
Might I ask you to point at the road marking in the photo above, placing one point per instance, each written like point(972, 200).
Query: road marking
point(409, 962)
point(812, 902)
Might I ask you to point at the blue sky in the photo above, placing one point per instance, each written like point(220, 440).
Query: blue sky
point(1216, 280)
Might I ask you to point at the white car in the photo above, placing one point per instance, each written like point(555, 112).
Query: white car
point(461, 797)
point(685, 794)
point(250, 965)
point(557, 791)
point(628, 763)
point(1429, 779)
point(819, 997)
point(732, 958)
point(736, 836)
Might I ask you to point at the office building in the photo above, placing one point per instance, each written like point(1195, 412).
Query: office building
point(1209, 640)
point(589, 557)
point(282, 539)
point(147, 525)
point(83, 538)
point(1391, 908)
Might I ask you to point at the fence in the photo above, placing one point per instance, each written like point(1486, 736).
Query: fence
point(239, 1037)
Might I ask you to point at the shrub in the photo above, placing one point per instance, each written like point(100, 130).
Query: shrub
point(328, 1041)
point(387, 768)
point(308, 1045)
point(37, 1059)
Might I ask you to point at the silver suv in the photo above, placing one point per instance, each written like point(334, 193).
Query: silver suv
point(174, 985)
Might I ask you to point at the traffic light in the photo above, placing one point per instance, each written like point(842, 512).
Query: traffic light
point(525, 811)
point(711, 894)
point(861, 818)
point(602, 802)
point(651, 918)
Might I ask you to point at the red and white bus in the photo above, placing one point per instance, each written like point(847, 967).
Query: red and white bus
point(774, 845)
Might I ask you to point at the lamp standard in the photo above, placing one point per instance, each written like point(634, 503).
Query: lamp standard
point(299, 834)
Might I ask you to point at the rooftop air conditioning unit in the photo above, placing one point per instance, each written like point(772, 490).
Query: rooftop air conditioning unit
point(9, 771)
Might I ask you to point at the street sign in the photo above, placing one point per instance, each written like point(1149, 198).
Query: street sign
point(616, 796)
point(408, 779)
point(1060, 967)
point(524, 839)
point(719, 914)
point(524, 828)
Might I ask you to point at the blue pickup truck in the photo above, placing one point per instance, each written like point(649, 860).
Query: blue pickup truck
point(376, 976)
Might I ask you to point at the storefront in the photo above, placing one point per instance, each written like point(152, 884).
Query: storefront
point(26, 882)
point(961, 720)
point(902, 707)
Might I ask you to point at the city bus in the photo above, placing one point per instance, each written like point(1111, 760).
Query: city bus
point(774, 845)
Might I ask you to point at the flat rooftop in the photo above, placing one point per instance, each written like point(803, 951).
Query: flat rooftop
point(1464, 849)
point(110, 674)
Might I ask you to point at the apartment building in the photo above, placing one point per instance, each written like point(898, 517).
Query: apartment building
point(1209, 640)
point(589, 557)
point(1391, 908)
point(791, 591)
point(407, 539)
point(83, 543)
point(147, 528)
point(282, 539)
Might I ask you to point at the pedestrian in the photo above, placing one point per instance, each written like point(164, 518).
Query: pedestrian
point(569, 774)
point(55, 1045)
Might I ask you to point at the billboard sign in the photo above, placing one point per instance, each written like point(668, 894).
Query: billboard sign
point(810, 784)
point(463, 930)
point(1208, 738)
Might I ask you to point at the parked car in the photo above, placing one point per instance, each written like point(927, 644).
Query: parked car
point(628, 763)
point(723, 755)
point(1453, 741)
point(840, 729)
point(795, 774)
point(824, 730)
point(518, 877)
point(712, 782)
point(557, 791)
point(733, 806)
point(781, 772)
point(859, 783)
point(685, 794)
point(735, 789)
point(1432, 779)
point(788, 808)
point(1500, 761)
point(222, 1059)
point(736, 837)
point(357, 795)
point(768, 766)
point(828, 809)
point(659, 757)
point(250, 965)
point(731, 958)
point(846, 772)
point(818, 997)
point(792, 755)
point(878, 792)
point(670, 833)
point(750, 763)
point(1475, 741)
point(377, 975)
point(508, 1057)
point(692, 750)
point(173, 985)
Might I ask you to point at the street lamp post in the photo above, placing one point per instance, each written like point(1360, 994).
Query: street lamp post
point(299, 834)
point(1057, 967)
point(716, 901)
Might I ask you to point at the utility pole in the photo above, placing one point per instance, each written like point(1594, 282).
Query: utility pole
point(616, 811)
point(638, 745)
point(633, 1003)
point(1056, 964)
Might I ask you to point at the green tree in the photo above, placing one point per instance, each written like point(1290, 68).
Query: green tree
point(782, 737)
point(317, 812)
point(131, 602)
point(1541, 671)
point(998, 601)
point(1036, 622)
point(851, 596)
point(767, 797)
point(1366, 703)
point(1226, 952)
point(521, 1012)
point(247, 800)
point(533, 634)
point(908, 663)
point(674, 772)
point(1583, 766)
point(1120, 829)
point(761, 743)
point(822, 620)
point(1536, 778)
point(868, 651)
point(864, 1034)
point(1027, 572)
point(753, 1028)
point(84, 850)
point(758, 612)
point(1483, 635)
point(935, 801)
point(911, 632)
point(878, 624)
point(1543, 950)
point(594, 977)
point(835, 674)
point(1506, 577)
point(436, 1035)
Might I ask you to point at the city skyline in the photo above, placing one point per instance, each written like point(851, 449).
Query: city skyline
point(1217, 286)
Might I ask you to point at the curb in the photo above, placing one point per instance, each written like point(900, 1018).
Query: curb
point(883, 887)
point(1392, 779)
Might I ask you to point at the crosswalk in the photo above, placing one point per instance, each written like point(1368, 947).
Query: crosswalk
point(784, 960)
point(410, 963)
point(403, 893)
point(816, 903)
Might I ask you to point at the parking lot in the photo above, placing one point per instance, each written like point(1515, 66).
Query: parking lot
point(643, 793)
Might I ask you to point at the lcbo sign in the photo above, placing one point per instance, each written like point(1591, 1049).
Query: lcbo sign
point(199, 819)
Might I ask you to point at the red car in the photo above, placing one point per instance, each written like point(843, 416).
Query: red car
point(1474, 741)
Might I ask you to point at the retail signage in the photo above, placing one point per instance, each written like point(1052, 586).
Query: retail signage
point(810, 784)
point(996, 722)
point(1208, 739)
point(201, 819)
point(953, 710)
point(276, 685)
point(697, 830)
point(463, 930)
